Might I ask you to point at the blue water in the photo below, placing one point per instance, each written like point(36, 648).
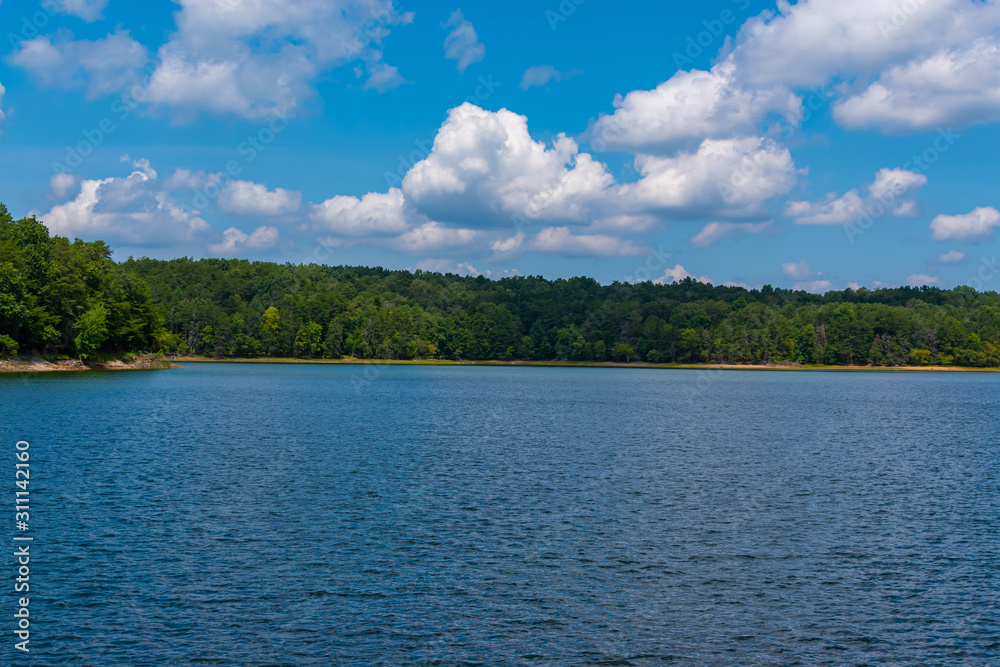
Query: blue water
point(333, 515)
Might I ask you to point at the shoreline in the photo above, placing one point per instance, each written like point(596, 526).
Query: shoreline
point(351, 361)
point(39, 365)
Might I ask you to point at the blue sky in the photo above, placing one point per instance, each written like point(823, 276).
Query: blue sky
point(734, 141)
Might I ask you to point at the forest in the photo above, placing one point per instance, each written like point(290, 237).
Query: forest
point(64, 297)
point(60, 297)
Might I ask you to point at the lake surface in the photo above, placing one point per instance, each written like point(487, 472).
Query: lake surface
point(228, 514)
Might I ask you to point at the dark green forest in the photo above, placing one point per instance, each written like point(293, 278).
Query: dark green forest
point(61, 297)
point(70, 298)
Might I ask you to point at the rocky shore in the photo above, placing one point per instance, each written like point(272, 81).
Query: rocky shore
point(39, 365)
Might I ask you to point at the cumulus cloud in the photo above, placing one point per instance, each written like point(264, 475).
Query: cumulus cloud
point(817, 286)
point(434, 237)
point(507, 247)
point(890, 193)
point(951, 257)
point(687, 108)
point(462, 43)
point(88, 10)
point(101, 66)
point(905, 66)
point(383, 77)
point(808, 280)
point(258, 59)
point(919, 279)
point(460, 268)
point(833, 210)
point(724, 177)
point(714, 232)
point(951, 87)
point(191, 181)
point(374, 214)
point(63, 185)
point(134, 210)
point(797, 270)
point(677, 274)
point(779, 48)
point(483, 183)
point(893, 183)
point(485, 173)
point(974, 227)
point(542, 75)
point(254, 199)
point(560, 240)
point(235, 241)
point(484, 167)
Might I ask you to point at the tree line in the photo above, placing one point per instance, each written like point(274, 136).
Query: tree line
point(63, 297)
point(71, 298)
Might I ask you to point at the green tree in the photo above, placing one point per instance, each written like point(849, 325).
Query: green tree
point(92, 330)
point(308, 340)
point(623, 352)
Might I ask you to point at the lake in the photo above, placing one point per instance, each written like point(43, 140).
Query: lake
point(230, 514)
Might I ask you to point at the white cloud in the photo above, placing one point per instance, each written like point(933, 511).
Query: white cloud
point(133, 211)
point(724, 178)
point(462, 43)
point(833, 210)
point(893, 183)
point(714, 232)
point(951, 257)
point(446, 266)
point(485, 177)
point(187, 180)
point(383, 78)
point(677, 274)
point(975, 227)
point(88, 10)
point(261, 58)
point(625, 223)
point(63, 185)
point(858, 37)
point(817, 286)
point(432, 237)
point(797, 271)
point(542, 75)
point(687, 108)
point(951, 87)
point(507, 247)
point(560, 240)
point(2, 115)
point(254, 199)
point(889, 193)
point(263, 237)
point(485, 167)
point(918, 279)
point(102, 66)
point(235, 241)
point(461, 268)
point(374, 214)
point(903, 66)
point(808, 280)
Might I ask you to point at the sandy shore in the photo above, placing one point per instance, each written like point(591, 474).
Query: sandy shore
point(38, 365)
point(580, 364)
